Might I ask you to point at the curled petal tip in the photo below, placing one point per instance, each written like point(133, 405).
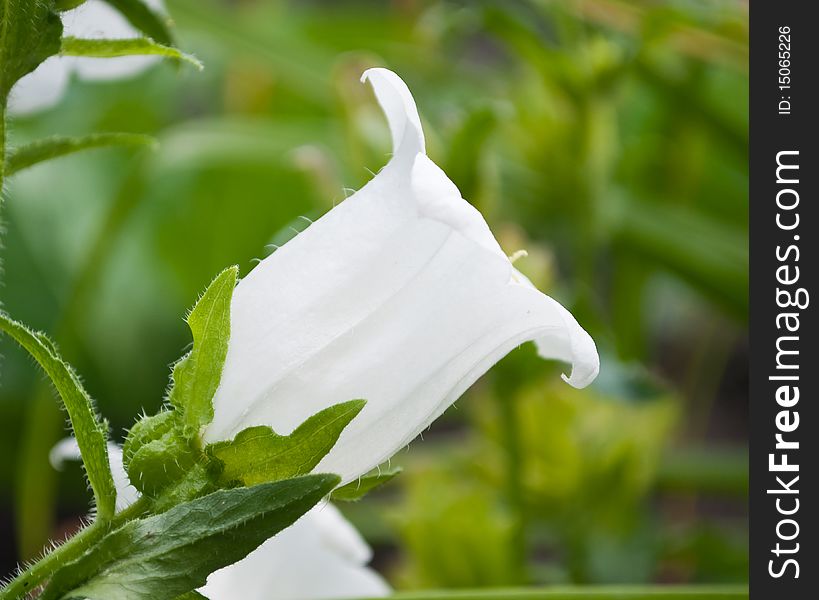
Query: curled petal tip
point(399, 107)
point(585, 362)
point(582, 376)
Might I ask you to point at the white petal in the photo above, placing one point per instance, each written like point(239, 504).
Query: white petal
point(45, 86)
point(41, 88)
point(398, 105)
point(399, 295)
point(67, 449)
point(321, 556)
point(96, 19)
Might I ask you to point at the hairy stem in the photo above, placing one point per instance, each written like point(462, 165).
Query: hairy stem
point(39, 572)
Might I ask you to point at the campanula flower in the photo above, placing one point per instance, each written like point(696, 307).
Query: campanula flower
point(399, 295)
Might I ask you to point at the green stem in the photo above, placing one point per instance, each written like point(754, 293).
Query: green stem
point(605, 592)
point(72, 549)
point(514, 481)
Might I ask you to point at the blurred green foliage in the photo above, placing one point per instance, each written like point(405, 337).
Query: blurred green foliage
point(607, 138)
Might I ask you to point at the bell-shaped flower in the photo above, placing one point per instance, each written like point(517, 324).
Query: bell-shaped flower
point(399, 295)
point(321, 556)
point(94, 19)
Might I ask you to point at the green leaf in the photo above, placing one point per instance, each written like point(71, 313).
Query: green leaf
point(67, 4)
point(192, 595)
point(163, 556)
point(356, 490)
point(29, 33)
point(259, 454)
point(57, 146)
point(196, 376)
point(105, 48)
point(149, 22)
point(464, 163)
point(89, 431)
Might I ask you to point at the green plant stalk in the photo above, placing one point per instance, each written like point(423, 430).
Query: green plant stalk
point(514, 481)
point(605, 592)
point(72, 549)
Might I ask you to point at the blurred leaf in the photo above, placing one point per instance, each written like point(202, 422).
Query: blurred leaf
point(708, 255)
point(149, 22)
point(196, 376)
point(709, 550)
point(454, 533)
point(239, 141)
point(705, 470)
point(90, 433)
point(356, 490)
point(29, 33)
point(57, 146)
point(259, 454)
point(35, 486)
point(463, 161)
point(163, 556)
point(102, 48)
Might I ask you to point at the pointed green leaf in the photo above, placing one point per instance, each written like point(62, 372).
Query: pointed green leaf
point(356, 490)
point(149, 22)
point(259, 454)
point(192, 595)
point(196, 376)
point(67, 4)
point(164, 556)
point(29, 33)
point(104, 48)
point(57, 146)
point(89, 431)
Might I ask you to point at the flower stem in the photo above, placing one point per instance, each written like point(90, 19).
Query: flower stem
point(72, 549)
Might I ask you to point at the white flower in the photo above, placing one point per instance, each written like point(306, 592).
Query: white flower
point(45, 86)
point(400, 295)
point(320, 556)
